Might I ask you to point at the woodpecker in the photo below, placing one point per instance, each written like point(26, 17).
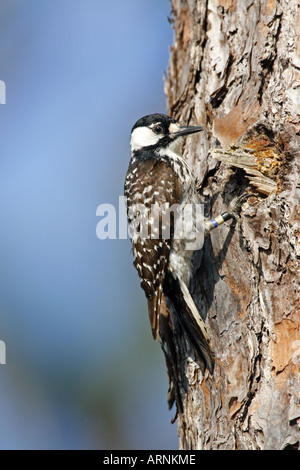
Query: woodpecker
point(158, 175)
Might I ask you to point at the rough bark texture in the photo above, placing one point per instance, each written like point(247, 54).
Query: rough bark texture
point(235, 68)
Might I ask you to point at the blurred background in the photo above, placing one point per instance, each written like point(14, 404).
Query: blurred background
point(82, 370)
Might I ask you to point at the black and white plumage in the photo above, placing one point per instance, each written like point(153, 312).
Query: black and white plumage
point(159, 176)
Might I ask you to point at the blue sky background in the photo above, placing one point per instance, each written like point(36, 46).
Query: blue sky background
point(82, 369)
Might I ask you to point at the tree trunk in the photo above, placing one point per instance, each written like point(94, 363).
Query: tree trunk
point(235, 68)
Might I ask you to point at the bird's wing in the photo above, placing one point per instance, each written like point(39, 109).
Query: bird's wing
point(153, 185)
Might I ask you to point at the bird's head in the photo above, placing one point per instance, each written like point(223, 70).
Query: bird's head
point(158, 132)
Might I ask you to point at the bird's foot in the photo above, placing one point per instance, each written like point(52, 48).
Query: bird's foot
point(235, 212)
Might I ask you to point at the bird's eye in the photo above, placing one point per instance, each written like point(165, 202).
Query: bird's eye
point(158, 129)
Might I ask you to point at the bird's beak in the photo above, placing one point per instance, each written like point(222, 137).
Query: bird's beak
point(186, 130)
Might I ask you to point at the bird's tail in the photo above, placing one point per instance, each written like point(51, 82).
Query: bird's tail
point(191, 320)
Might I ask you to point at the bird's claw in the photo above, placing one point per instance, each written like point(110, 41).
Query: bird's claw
point(235, 211)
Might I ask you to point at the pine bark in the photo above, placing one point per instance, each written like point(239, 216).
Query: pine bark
point(235, 68)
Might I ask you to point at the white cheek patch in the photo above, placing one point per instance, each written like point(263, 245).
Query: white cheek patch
point(174, 128)
point(142, 137)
